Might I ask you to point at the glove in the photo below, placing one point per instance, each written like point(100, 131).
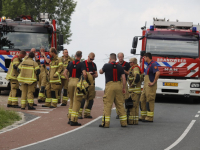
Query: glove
point(55, 75)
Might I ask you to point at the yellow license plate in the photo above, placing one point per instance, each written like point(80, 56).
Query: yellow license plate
point(169, 84)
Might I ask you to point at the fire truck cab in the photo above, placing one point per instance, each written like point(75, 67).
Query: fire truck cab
point(175, 47)
point(23, 33)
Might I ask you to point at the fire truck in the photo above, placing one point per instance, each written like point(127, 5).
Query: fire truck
point(175, 47)
point(23, 33)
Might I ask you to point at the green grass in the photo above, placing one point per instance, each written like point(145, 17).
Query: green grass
point(8, 117)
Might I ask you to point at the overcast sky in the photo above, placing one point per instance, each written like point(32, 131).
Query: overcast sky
point(106, 26)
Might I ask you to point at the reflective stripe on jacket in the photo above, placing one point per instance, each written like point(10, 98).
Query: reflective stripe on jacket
point(28, 70)
point(56, 67)
point(12, 72)
point(65, 64)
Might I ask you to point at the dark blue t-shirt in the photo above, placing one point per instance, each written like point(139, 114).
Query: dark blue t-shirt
point(152, 71)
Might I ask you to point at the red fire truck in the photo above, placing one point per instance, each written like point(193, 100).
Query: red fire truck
point(175, 47)
point(23, 33)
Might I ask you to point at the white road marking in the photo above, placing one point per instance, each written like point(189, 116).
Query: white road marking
point(20, 125)
point(197, 116)
point(60, 134)
point(43, 112)
point(198, 111)
point(182, 136)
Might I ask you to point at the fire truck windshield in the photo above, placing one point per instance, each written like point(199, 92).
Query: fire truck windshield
point(173, 47)
point(24, 41)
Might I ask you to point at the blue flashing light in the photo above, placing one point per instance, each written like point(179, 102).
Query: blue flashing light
point(194, 29)
point(151, 27)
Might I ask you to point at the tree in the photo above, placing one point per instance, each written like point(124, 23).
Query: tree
point(59, 11)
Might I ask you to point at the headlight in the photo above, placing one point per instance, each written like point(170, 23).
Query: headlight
point(195, 85)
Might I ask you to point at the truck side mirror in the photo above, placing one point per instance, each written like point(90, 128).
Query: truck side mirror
point(60, 39)
point(142, 53)
point(135, 41)
point(59, 47)
point(133, 51)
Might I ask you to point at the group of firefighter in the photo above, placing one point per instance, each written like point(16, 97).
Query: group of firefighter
point(75, 81)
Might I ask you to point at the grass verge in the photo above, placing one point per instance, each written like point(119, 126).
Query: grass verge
point(8, 117)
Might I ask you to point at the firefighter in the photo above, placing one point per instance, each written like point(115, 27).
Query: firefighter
point(126, 67)
point(75, 69)
point(44, 60)
point(134, 80)
point(148, 95)
point(66, 59)
point(91, 69)
point(36, 59)
point(113, 91)
point(29, 70)
point(56, 67)
point(12, 77)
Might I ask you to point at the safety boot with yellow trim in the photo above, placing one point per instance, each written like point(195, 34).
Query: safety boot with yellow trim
point(80, 113)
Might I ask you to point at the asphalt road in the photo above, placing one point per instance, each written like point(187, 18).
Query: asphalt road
point(171, 123)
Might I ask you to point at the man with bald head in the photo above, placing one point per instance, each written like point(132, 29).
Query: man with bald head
point(126, 67)
point(91, 70)
point(66, 59)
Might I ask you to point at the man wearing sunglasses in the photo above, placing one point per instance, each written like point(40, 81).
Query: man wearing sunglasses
point(91, 70)
point(126, 67)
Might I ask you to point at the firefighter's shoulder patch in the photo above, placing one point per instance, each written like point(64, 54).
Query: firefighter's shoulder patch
point(155, 67)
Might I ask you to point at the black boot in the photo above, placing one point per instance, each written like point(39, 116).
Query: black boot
point(22, 108)
point(31, 108)
point(102, 126)
point(52, 107)
point(44, 106)
point(16, 106)
point(40, 101)
point(88, 117)
point(34, 104)
point(69, 121)
point(80, 117)
point(75, 123)
point(117, 117)
point(63, 104)
point(8, 105)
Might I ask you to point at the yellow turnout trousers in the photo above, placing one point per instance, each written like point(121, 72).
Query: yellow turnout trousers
point(134, 112)
point(42, 83)
point(147, 100)
point(13, 99)
point(125, 96)
point(113, 93)
point(64, 86)
point(88, 100)
point(27, 94)
point(72, 92)
point(52, 94)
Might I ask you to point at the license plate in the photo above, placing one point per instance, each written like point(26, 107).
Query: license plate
point(169, 84)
